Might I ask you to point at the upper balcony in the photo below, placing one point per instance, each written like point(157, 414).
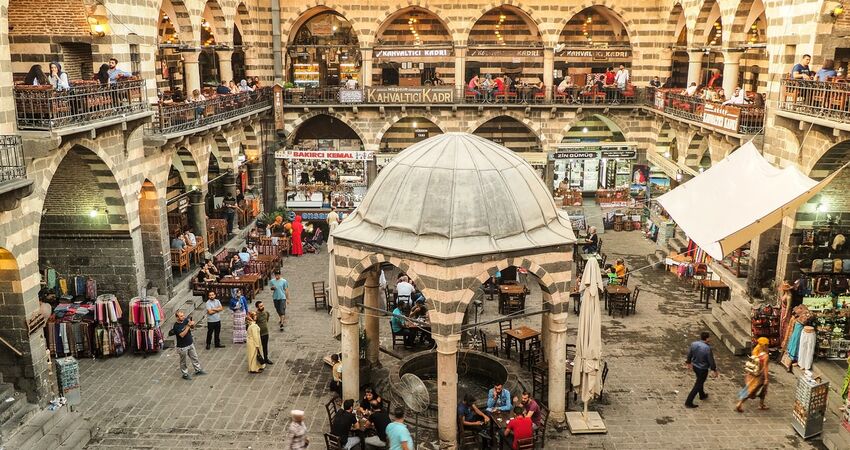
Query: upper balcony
point(86, 106)
point(174, 120)
point(14, 184)
point(819, 102)
point(737, 120)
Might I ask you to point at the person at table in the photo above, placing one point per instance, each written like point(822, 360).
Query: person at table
point(344, 423)
point(378, 421)
point(190, 238)
point(469, 414)
point(336, 375)
point(499, 399)
point(257, 84)
point(738, 98)
point(691, 90)
point(252, 250)
point(620, 268)
point(366, 403)
point(520, 427)
point(801, 70)
point(222, 88)
point(655, 82)
point(622, 77)
point(57, 78)
point(237, 267)
point(474, 85)
point(487, 87)
point(231, 85)
point(243, 87)
point(115, 73)
point(398, 325)
point(827, 71)
point(530, 409)
point(244, 255)
point(404, 290)
point(610, 76)
point(716, 79)
point(36, 76)
point(499, 87)
point(177, 243)
point(212, 269)
point(593, 241)
point(102, 75)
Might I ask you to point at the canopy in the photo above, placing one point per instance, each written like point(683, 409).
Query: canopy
point(737, 199)
point(587, 369)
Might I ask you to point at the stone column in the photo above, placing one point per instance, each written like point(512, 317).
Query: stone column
point(447, 390)
point(350, 320)
point(365, 67)
point(230, 182)
point(557, 365)
point(548, 68)
point(191, 72)
point(198, 207)
point(371, 171)
point(550, 175)
point(695, 66)
point(460, 68)
point(225, 65)
point(372, 322)
point(731, 64)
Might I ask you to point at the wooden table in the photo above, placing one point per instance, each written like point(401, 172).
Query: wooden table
point(498, 421)
point(521, 335)
point(508, 291)
point(583, 258)
point(249, 283)
point(707, 288)
point(615, 292)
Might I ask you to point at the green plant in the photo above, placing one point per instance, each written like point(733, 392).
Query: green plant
point(288, 85)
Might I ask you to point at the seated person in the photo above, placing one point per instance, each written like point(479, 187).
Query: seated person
point(520, 426)
point(379, 419)
point(399, 328)
point(420, 312)
point(366, 404)
point(237, 267)
point(212, 269)
point(469, 415)
point(593, 246)
point(336, 375)
point(190, 238)
point(178, 243)
point(344, 423)
point(404, 291)
point(620, 268)
point(531, 409)
point(490, 286)
point(499, 399)
point(244, 255)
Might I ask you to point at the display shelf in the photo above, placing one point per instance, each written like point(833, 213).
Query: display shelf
point(738, 262)
point(809, 406)
point(765, 322)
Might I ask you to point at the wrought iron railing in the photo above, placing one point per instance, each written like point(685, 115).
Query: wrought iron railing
point(684, 106)
point(12, 165)
point(176, 117)
point(827, 99)
point(741, 119)
point(45, 108)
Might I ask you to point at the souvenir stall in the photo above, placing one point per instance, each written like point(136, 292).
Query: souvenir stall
point(604, 168)
point(70, 330)
point(765, 322)
point(145, 319)
point(333, 175)
point(108, 334)
point(809, 405)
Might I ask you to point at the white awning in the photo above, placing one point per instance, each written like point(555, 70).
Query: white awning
point(737, 199)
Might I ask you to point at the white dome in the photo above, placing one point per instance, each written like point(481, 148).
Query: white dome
point(457, 195)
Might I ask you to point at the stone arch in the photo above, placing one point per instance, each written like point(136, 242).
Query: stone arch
point(223, 152)
point(310, 9)
point(534, 24)
point(180, 17)
point(697, 147)
point(383, 21)
point(215, 16)
point(154, 242)
point(709, 13)
point(251, 142)
point(610, 131)
point(745, 15)
point(292, 128)
point(510, 137)
point(396, 118)
point(185, 163)
point(354, 280)
point(815, 146)
point(244, 21)
point(612, 7)
point(677, 24)
point(665, 140)
point(532, 125)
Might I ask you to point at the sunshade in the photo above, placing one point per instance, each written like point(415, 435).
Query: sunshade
point(336, 328)
point(737, 199)
point(587, 368)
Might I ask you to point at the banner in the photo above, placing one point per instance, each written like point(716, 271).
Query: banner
point(278, 107)
point(597, 54)
point(412, 53)
point(619, 154)
point(720, 116)
point(424, 94)
point(327, 154)
point(502, 52)
point(660, 99)
point(351, 96)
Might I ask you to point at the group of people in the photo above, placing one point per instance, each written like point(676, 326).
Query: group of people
point(249, 85)
point(715, 94)
point(527, 415)
point(827, 72)
point(410, 312)
point(184, 240)
point(370, 419)
point(108, 73)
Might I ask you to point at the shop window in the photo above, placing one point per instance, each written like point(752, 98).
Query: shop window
point(135, 59)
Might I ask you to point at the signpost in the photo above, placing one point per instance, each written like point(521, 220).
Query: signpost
point(324, 154)
point(421, 95)
point(725, 117)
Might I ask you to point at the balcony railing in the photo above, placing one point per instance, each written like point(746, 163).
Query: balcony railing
point(576, 95)
point(826, 99)
point(739, 119)
point(45, 108)
point(176, 117)
point(12, 166)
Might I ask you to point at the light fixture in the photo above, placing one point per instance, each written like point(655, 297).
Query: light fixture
point(667, 155)
point(584, 130)
point(415, 124)
point(93, 213)
point(822, 207)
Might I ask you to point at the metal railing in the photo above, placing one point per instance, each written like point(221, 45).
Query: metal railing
point(574, 95)
point(176, 117)
point(827, 99)
point(45, 108)
point(12, 165)
point(741, 119)
point(684, 106)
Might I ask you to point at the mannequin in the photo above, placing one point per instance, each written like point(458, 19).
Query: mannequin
point(807, 348)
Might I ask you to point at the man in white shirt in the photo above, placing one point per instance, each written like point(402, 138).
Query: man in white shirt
point(350, 83)
point(738, 99)
point(405, 291)
point(691, 90)
point(622, 77)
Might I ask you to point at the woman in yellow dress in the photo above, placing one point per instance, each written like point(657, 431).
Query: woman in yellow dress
point(254, 347)
point(755, 376)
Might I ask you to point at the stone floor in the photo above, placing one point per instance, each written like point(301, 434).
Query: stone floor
point(142, 403)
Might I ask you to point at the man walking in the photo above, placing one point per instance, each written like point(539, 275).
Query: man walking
point(280, 292)
point(296, 434)
point(263, 323)
point(182, 331)
point(230, 208)
point(701, 360)
point(398, 436)
point(214, 309)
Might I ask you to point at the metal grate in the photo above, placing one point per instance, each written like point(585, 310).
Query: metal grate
point(12, 166)
point(176, 117)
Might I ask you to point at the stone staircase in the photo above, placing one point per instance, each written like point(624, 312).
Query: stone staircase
point(14, 410)
point(47, 430)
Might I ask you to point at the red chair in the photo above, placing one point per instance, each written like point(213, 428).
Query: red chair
point(629, 94)
point(594, 95)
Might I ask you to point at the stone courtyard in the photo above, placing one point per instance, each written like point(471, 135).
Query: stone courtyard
point(140, 402)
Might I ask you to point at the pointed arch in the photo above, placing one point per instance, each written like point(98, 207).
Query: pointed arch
point(295, 126)
point(516, 27)
point(400, 133)
point(431, 26)
point(512, 132)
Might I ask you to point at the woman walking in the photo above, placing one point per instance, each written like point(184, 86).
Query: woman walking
point(297, 228)
point(756, 376)
point(255, 346)
point(239, 306)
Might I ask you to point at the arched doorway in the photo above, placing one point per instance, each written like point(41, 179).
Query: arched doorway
point(154, 241)
point(84, 210)
point(406, 132)
point(184, 181)
point(242, 33)
point(711, 37)
point(323, 50)
point(593, 40)
point(594, 155)
point(213, 34)
point(173, 31)
point(505, 41)
point(413, 48)
point(749, 31)
point(679, 58)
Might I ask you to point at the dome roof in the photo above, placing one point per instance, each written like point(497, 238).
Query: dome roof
point(457, 195)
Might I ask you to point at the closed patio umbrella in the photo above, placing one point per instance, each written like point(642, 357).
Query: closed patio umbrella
point(587, 368)
point(336, 328)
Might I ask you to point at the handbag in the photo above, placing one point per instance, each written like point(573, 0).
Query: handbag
point(752, 366)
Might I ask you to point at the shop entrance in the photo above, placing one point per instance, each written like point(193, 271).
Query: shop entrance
point(323, 51)
point(14, 368)
point(154, 244)
point(593, 41)
point(594, 155)
point(414, 48)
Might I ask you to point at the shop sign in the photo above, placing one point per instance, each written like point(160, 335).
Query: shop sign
point(619, 154)
point(720, 116)
point(597, 54)
point(351, 96)
point(575, 155)
point(394, 94)
point(320, 215)
point(505, 52)
point(183, 204)
point(660, 99)
point(420, 133)
point(278, 107)
point(323, 154)
point(413, 53)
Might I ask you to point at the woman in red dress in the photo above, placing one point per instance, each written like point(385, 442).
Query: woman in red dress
point(297, 228)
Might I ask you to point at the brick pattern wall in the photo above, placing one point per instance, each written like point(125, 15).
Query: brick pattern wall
point(108, 259)
point(48, 17)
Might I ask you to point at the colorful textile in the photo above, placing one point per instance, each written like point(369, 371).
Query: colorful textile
point(254, 349)
point(755, 385)
point(793, 348)
point(240, 333)
point(297, 228)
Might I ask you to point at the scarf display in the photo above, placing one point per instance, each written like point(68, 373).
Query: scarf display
point(145, 319)
point(109, 335)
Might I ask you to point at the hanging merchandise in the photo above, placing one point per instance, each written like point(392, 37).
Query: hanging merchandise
point(810, 405)
point(764, 322)
point(70, 330)
point(145, 319)
point(108, 335)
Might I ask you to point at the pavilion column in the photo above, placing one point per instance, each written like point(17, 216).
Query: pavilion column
point(255, 177)
point(548, 70)
point(447, 390)
point(731, 64)
point(191, 72)
point(225, 65)
point(199, 214)
point(230, 182)
point(371, 321)
point(695, 66)
point(365, 67)
point(350, 320)
point(557, 365)
point(460, 69)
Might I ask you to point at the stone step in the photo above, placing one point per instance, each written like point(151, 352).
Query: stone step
point(839, 440)
point(733, 318)
point(19, 413)
point(736, 345)
point(10, 411)
point(78, 439)
point(59, 432)
point(35, 428)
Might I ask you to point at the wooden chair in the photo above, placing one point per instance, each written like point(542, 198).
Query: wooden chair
point(534, 353)
point(540, 432)
point(398, 340)
point(505, 325)
point(632, 302)
point(625, 281)
point(469, 440)
point(618, 303)
point(320, 297)
point(488, 345)
point(332, 442)
point(330, 408)
point(539, 381)
point(200, 249)
point(180, 259)
point(525, 444)
point(604, 377)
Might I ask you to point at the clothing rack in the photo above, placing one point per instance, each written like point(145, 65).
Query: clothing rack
point(70, 330)
point(109, 334)
point(145, 319)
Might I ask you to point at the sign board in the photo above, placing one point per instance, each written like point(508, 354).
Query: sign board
point(183, 204)
point(420, 133)
point(505, 52)
point(619, 154)
point(320, 154)
point(596, 54)
point(660, 99)
point(576, 155)
point(412, 53)
point(720, 116)
point(351, 96)
point(396, 94)
point(278, 107)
